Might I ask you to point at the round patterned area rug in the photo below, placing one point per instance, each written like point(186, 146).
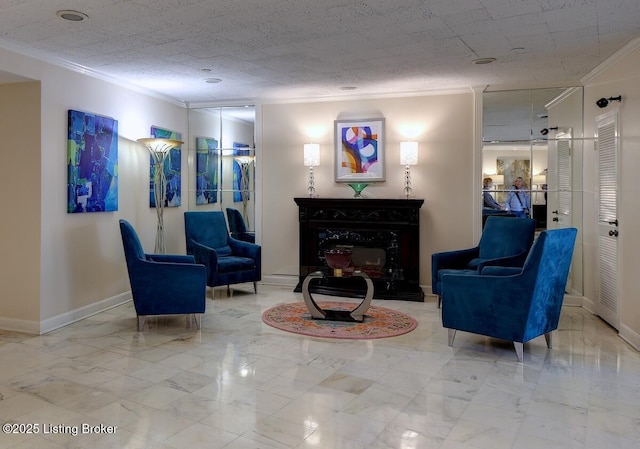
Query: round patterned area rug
point(379, 322)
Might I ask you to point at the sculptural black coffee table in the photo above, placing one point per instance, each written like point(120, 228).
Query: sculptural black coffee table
point(355, 315)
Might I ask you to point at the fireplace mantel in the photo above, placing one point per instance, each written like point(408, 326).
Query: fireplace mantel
point(391, 224)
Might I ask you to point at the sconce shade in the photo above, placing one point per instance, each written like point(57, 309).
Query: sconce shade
point(311, 154)
point(158, 145)
point(539, 179)
point(244, 160)
point(409, 153)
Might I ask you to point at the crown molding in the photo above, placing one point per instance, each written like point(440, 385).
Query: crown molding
point(78, 68)
point(615, 58)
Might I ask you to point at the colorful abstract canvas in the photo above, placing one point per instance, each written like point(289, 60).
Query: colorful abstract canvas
point(359, 150)
point(92, 163)
point(207, 170)
point(172, 170)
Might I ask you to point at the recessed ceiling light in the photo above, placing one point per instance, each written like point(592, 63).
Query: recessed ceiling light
point(205, 70)
point(348, 88)
point(74, 16)
point(481, 61)
point(213, 80)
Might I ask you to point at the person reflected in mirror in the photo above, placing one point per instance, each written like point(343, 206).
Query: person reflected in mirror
point(488, 201)
point(518, 200)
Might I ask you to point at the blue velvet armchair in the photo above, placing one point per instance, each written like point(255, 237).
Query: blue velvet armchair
point(505, 241)
point(162, 284)
point(237, 226)
point(228, 260)
point(510, 303)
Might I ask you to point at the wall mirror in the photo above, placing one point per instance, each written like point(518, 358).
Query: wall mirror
point(222, 157)
point(537, 134)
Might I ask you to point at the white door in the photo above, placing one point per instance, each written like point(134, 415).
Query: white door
point(608, 146)
point(560, 213)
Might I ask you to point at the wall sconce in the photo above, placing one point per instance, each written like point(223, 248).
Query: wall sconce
point(159, 149)
point(245, 165)
point(545, 131)
point(540, 178)
point(408, 157)
point(604, 102)
point(311, 159)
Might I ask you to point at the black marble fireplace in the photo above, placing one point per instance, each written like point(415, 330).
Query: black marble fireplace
point(382, 234)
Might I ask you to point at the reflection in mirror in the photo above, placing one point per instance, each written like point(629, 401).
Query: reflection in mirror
point(515, 133)
point(222, 157)
point(536, 134)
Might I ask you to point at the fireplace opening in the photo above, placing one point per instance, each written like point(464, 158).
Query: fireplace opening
point(373, 252)
point(382, 235)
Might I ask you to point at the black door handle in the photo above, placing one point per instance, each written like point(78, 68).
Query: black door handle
point(555, 219)
point(555, 212)
point(613, 233)
point(614, 222)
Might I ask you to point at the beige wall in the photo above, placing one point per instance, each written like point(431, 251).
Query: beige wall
point(81, 266)
point(442, 124)
point(20, 183)
point(620, 76)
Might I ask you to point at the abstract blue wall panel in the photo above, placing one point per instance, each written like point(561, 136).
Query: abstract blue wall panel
point(92, 163)
point(207, 170)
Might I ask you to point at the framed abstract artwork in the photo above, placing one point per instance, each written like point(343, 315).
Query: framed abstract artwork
point(172, 170)
point(92, 163)
point(359, 150)
point(207, 170)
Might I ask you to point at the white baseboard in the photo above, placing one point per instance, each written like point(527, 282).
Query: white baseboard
point(282, 280)
point(23, 326)
point(631, 337)
point(573, 300)
point(56, 322)
point(81, 313)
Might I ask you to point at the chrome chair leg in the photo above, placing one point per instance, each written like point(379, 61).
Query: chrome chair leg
point(547, 337)
point(255, 287)
point(141, 319)
point(519, 347)
point(452, 336)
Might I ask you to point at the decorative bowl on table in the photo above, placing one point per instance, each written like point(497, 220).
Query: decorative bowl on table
point(338, 259)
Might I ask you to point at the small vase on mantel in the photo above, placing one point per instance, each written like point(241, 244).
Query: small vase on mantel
point(358, 187)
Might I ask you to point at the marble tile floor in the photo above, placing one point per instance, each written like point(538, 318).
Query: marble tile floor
point(240, 384)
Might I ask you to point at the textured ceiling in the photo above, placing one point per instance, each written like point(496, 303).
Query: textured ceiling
point(266, 50)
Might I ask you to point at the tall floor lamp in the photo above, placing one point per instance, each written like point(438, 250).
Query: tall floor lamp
point(159, 149)
point(245, 181)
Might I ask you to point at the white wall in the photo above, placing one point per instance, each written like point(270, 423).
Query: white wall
point(620, 76)
point(82, 266)
point(442, 124)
